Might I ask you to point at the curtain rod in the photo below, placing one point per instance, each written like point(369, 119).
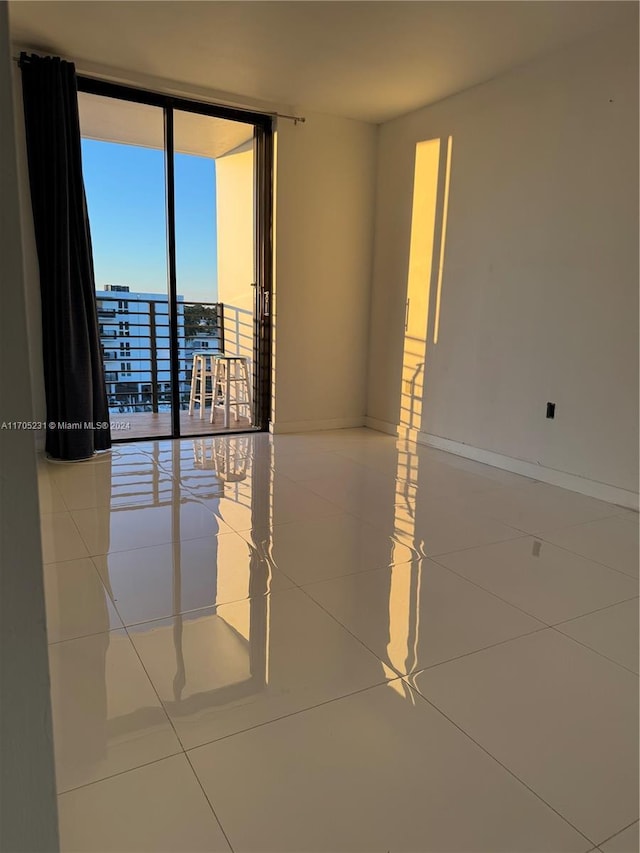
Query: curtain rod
point(20, 60)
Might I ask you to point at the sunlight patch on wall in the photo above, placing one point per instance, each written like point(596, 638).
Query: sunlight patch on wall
point(423, 220)
point(443, 238)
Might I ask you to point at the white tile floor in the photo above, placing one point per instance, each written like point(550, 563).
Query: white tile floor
point(337, 642)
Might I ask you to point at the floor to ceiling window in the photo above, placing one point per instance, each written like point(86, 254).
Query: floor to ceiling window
point(179, 205)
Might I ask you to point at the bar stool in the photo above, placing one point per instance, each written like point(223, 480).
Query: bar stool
point(231, 375)
point(203, 386)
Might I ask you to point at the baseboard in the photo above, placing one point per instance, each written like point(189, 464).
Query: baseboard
point(381, 426)
point(573, 482)
point(279, 427)
point(404, 433)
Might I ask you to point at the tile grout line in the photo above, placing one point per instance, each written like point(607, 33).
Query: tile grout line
point(110, 596)
point(497, 760)
point(595, 651)
point(524, 534)
point(118, 773)
point(554, 625)
point(543, 627)
point(589, 559)
point(513, 639)
point(82, 539)
point(490, 592)
point(345, 515)
point(606, 517)
point(214, 606)
point(208, 799)
point(549, 529)
point(556, 529)
point(195, 610)
point(416, 672)
point(107, 593)
point(344, 627)
point(299, 485)
point(302, 588)
point(617, 514)
point(173, 728)
point(320, 581)
point(296, 713)
point(526, 612)
point(597, 610)
point(619, 832)
point(519, 535)
point(141, 547)
point(499, 519)
point(85, 636)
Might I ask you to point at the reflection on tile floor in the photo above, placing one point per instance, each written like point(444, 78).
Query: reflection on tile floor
point(340, 642)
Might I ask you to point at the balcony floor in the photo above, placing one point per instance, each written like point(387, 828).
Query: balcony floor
point(154, 424)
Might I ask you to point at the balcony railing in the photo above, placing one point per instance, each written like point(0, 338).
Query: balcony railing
point(136, 349)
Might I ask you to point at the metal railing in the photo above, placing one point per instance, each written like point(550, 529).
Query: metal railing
point(136, 349)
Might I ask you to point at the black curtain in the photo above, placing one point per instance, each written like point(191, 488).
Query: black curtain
point(73, 370)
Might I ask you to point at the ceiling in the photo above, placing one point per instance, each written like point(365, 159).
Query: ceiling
point(365, 60)
point(114, 120)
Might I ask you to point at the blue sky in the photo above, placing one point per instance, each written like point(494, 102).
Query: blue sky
point(125, 187)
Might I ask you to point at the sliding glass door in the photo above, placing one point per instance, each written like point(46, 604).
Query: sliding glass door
point(124, 170)
point(214, 178)
point(179, 198)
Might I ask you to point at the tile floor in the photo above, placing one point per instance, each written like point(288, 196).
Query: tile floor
point(337, 642)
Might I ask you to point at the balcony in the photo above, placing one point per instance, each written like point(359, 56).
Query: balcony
point(138, 373)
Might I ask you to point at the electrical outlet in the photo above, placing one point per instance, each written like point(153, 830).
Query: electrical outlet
point(551, 410)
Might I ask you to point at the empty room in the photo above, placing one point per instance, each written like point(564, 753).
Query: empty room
point(319, 426)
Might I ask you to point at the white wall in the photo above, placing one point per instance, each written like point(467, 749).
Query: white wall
point(28, 820)
point(30, 263)
point(325, 195)
point(235, 194)
point(236, 226)
point(540, 284)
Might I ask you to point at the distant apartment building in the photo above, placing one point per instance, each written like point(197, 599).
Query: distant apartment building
point(135, 340)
